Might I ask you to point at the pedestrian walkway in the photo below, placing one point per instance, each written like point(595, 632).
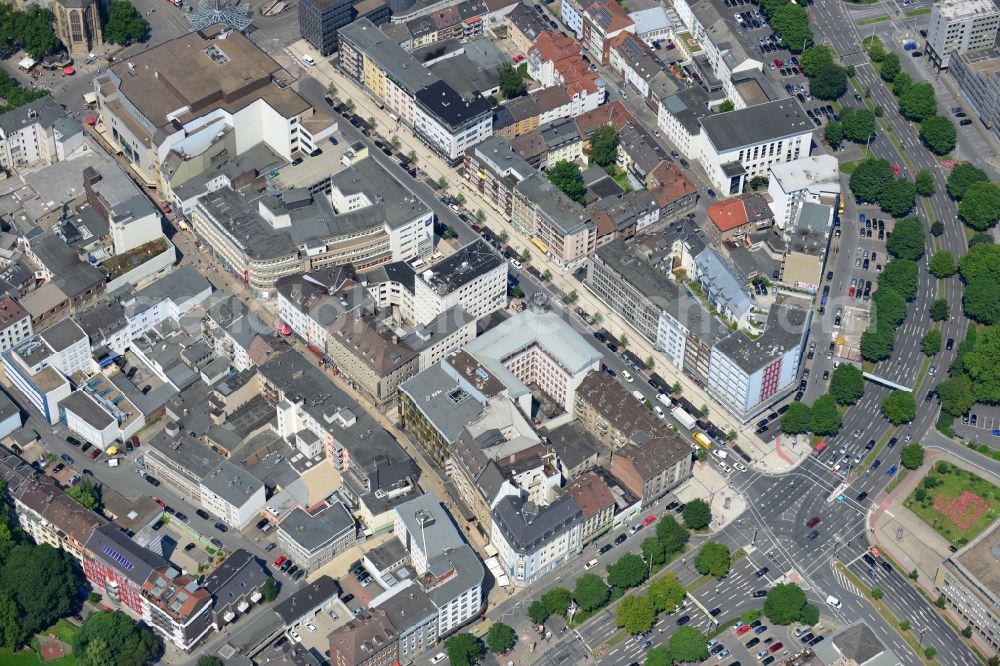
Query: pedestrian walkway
point(708, 484)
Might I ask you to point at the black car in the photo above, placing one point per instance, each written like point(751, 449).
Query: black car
point(715, 612)
point(221, 527)
point(620, 539)
point(684, 619)
point(73, 441)
point(886, 567)
point(752, 642)
point(950, 344)
point(755, 624)
point(188, 548)
point(759, 594)
point(812, 535)
point(762, 572)
point(892, 442)
point(203, 514)
point(348, 599)
point(261, 523)
point(815, 640)
point(605, 548)
point(216, 542)
point(182, 517)
point(671, 506)
point(861, 496)
point(965, 122)
point(67, 459)
point(808, 637)
point(869, 559)
point(58, 468)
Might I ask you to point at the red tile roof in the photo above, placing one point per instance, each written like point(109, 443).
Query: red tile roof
point(670, 184)
point(728, 214)
point(614, 114)
point(609, 16)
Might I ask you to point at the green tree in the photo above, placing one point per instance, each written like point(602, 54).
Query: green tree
point(899, 407)
point(653, 551)
point(809, 615)
point(877, 593)
point(937, 228)
point(907, 239)
point(980, 269)
point(557, 600)
point(537, 612)
point(131, 644)
point(726, 106)
point(566, 176)
point(42, 581)
point(876, 49)
point(32, 30)
point(877, 343)
point(209, 660)
point(99, 654)
point(125, 24)
point(889, 67)
point(869, 178)
point(980, 205)
point(815, 58)
point(697, 514)
point(500, 638)
point(791, 22)
point(939, 309)
point(784, 603)
point(967, 632)
point(11, 633)
point(939, 134)
point(797, 420)
point(982, 366)
point(931, 342)
point(834, 133)
point(511, 81)
point(86, 493)
point(980, 238)
point(666, 593)
point(658, 656)
point(829, 83)
point(604, 146)
point(635, 614)
point(687, 644)
point(930, 651)
point(270, 590)
point(847, 384)
point(912, 456)
point(590, 592)
point(889, 307)
point(918, 102)
point(925, 185)
point(463, 649)
point(962, 176)
point(905, 625)
point(671, 534)
point(629, 571)
point(713, 559)
point(902, 84)
point(898, 197)
point(901, 275)
point(942, 264)
point(859, 124)
point(525, 255)
point(826, 419)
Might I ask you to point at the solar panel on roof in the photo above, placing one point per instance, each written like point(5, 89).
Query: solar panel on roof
point(118, 557)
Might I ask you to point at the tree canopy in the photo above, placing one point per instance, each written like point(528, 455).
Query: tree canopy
point(901, 275)
point(127, 643)
point(942, 264)
point(791, 22)
point(666, 593)
point(671, 534)
point(925, 183)
point(899, 407)
point(939, 134)
point(898, 197)
point(918, 102)
point(566, 176)
point(889, 67)
point(962, 176)
point(931, 342)
point(815, 58)
point(42, 581)
point(902, 83)
point(907, 239)
point(629, 571)
point(86, 493)
point(511, 81)
point(826, 419)
point(847, 384)
point(500, 638)
point(982, 365)
point(869, 178)
point(912, 456)
point(830, 82)
point(30, 30)
point(939, 309)
point(125, 24)
point(877, 343)
point(797, 419)
point(888, 307)
point(658, 656)
point(980, 205)
point(604, 146)
point(697, 514)
point(784, 603)
point(557, 600)
point(463, 649)
point(635, 614)
point(956, 395)
point(713, 559)
point(980, 269)
point(859, 124)
point(590, 592)
point(687, 644)
point(834, 133)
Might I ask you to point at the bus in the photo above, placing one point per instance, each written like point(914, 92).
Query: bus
point(703, 440)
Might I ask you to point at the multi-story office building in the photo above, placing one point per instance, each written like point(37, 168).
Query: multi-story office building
point(740, 145)
point(320, 20)
point(813, 179)
point(532, 540)
point(15, 323)
point(978, 75)
point(654, 467)
point(679, 116)
point(233, 494)
point(968, 581)
point(312, 540)
point(474, 277)
point(559, 227)
point(372, 356)
point(309, 303)
point(494, 169)
point(960, 26)
point(37, 134)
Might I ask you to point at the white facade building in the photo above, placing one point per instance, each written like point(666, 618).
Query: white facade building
point(739, 145)
point(474, 278)
point(38, 134)
point(960, 26)
point(81, 414)
point(233, 494)
point(15, 323)
point(532, 540)
point(813, 179)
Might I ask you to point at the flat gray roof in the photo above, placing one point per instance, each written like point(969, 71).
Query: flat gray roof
point(400, 65)
point(563, 212)
point(783, 332)
point(756, 124)
point(315, 531)
point(81, 404)
point(426, 519)
point(232, 483)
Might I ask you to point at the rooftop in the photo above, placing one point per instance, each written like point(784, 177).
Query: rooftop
point(591, 494)
point(783, 332)
point(449, 107)
point(565, 214)
point(527, 526)
point(373, 342)
point(573, 444)
point(85, 407)
point(45, 112)
point(233, 484)
point(427, 521)
point(361, 639)
point(124, 555)
point(958, 9)
point(307, 599)
point(756, 124)
point(404, 69)
point(817, 172)
point(461, 268)
point(619, 408)
point(314, 531)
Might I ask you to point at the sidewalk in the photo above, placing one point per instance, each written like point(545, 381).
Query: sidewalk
point(708, 484)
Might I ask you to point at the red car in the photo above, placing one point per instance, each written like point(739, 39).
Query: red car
point(896, 170)
point(778, 63)
point(742, 629)
point(160, 502)
point(813, 522)
point(774, 648)
point(647, 521)
point(850, 292)
point(281, 560)
point(875, 551)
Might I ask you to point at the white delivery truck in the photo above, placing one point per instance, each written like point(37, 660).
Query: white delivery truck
point(112, 462)
point(683, 417)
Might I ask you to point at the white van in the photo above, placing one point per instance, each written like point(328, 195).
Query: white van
point(627, 376)
point(663, 399)
point(308, 59)
point(720, 454)
point(833, 601)
point(659, 411)
point(726, 469)
point(591, 564)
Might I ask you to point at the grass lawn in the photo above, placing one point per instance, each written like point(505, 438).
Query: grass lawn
point(848, 167)
point(918, 11)
point(123, 263)
point(874, 19)
point(959, 506)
